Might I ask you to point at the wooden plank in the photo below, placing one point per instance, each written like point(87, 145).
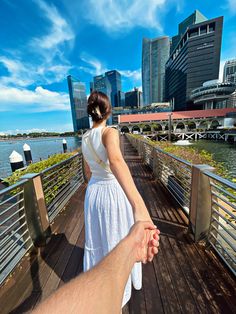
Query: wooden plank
point(169, 299)
point(186, 300)
point(151, 290)
point(193, 284)
point(32, 287)
point(224, 289)
point(204, 277)
point(65, 253)
point(137, 304)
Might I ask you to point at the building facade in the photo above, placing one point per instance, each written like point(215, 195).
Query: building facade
point(214, 95)
point(102, 84)
point(230, 71)
point(78, 102)
point(133, 98)
point(109, 84)
point(195, 18)
point(195, 60)
point(114, 79)
point(155, 53)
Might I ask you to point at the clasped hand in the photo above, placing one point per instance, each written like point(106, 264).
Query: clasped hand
point(145, 237)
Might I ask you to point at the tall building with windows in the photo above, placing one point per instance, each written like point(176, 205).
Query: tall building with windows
point(114, 78)
point(109, 84)
point(194, 60)
point(230, 71)
point(102, 84)
point(133, 99)
point(78, 102)
point(195, 18)
point(155, 53)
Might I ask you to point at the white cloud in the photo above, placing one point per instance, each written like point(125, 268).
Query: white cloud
point(95, 67)
point(134, 75)
point(60, 31)
point(68, 127)
point(120, 15)
point(42, 61)
point(231, 4)
point(38, 100)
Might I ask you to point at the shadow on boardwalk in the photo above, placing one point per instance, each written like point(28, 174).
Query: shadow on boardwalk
point(183, 278)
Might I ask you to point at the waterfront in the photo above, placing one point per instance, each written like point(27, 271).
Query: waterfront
point(43, 147)
point(223, 152)
point(40, 148)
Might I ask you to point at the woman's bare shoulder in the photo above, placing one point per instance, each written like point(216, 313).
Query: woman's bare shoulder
point(110, 135)
point(110, 132)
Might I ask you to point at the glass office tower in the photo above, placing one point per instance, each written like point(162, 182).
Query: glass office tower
point(78, 102)
point(114, 78)
point(102, 84)
point(195, 60)
point(155, 53)
point(230, 71)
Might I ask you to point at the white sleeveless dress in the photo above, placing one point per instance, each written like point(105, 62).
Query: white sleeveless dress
point(108, 213)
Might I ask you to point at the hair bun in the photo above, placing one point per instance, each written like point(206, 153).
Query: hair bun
point(99, 107)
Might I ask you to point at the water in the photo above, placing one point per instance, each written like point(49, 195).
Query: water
point(222, 152)
point(40, 148)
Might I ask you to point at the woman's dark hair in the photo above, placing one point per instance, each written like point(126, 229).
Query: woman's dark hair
point(99, 107)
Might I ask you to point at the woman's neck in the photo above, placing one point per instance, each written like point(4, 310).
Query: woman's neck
point(96, 124)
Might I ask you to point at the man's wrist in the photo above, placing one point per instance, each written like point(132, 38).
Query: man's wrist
point(131, 245)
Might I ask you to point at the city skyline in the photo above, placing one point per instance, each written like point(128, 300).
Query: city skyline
point(46, 41)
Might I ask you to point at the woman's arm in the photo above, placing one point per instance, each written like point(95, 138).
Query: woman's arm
point(121, 171)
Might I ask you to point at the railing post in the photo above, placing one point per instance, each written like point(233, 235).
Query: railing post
point(200, 202)
point(36, 210)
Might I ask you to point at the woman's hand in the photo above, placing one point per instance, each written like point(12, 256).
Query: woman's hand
point(140, 235)
point(141, 214)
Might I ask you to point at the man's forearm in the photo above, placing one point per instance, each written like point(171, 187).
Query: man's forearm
point(100, 290)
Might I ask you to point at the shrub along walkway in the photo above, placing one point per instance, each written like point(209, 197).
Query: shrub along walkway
point(183, 278)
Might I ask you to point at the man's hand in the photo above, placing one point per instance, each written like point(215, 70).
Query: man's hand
point(144, 237)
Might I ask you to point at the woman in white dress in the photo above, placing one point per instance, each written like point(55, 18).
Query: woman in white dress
point(112, 201)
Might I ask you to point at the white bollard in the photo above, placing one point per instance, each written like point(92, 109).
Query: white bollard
point(64, 143)
point(27, 153)
point(16, 161)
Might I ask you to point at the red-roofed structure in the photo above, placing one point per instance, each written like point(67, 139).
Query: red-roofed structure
point(194, 114)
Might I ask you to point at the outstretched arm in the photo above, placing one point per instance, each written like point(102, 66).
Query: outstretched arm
point(101, 289)
point(121, 171)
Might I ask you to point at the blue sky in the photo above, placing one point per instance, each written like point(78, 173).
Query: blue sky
point(41, 42)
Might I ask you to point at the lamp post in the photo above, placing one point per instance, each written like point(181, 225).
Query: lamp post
point(169, 126)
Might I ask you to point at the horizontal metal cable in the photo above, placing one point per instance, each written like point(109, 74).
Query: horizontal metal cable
point(225, 229)
point(12, 215)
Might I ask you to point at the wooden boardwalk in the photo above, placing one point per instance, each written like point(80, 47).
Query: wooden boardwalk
point(183, 278)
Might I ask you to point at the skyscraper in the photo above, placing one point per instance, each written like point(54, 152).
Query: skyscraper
point(78, 102)
point(194, 18)
point(102, 84)
point(155, 53)
point(230, 71)
point(193, 61)
point(133, 98)
point(114, 78)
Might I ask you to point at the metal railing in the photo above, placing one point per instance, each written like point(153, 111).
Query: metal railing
point(60, 182)
point(28, 207)
point(222, 231)
point(173, 172)
point(208, 199)
point(15, 238)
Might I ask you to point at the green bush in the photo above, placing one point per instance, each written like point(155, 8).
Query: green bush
point(37, 167)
